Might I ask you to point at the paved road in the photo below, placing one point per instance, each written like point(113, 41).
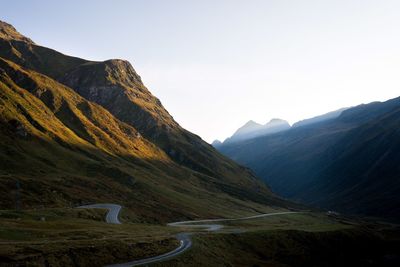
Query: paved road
point(217, 227)
point(112, 214)
point(185, 244)
point(183, 238)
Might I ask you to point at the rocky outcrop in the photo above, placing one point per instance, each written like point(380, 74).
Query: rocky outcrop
point(8, 32)
point(116, 86)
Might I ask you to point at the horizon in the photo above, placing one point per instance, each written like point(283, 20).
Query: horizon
point(254, 61)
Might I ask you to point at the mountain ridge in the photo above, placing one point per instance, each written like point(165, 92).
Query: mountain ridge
point(76, 131)
point(327, 116)
point(347, 164)
point(8, 32)
point(252, 129)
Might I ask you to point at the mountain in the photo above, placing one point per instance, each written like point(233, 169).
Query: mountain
point(350, 163)
point(253, 129)
point(76, 131)
point(327, 116)
point(249, 127)
point(216, 143)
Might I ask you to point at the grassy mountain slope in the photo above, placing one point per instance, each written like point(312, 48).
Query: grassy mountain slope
point(116, 86)
point(349, 164)
point(66, 146)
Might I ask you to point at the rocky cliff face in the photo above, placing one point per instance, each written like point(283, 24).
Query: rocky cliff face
point(115, 85)
point(9, 33)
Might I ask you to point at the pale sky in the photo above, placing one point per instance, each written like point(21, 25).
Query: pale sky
point(217, 64)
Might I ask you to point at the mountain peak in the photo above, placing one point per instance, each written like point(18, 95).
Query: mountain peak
point(251, 123)
point(8, 32)
point(249, 126)
point(216, 143)
point(276, 121)
point(253, 129)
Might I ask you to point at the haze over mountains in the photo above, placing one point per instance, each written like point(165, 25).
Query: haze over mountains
point(349, 163)
point(253, 129)
point(77, 131)
point(327, 116)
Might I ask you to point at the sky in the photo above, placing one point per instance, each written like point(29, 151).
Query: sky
point(216, 64)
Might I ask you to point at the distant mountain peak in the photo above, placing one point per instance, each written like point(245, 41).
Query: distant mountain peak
point(216, 143)
point(276, 121)
point(8, 32)
point(253, 129)
point(248, 127)
point(251, 123)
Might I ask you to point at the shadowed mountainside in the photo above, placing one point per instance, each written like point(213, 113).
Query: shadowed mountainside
point(349, 163)
point(327, 116)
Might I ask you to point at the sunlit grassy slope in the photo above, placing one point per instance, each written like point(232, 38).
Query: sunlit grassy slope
point(74, 131)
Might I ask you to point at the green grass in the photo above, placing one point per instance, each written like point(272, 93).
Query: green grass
point(306, 239)
point(308, 221)
point(297, 240)
point(76, 151)
point(69, 237)
point(79, 235)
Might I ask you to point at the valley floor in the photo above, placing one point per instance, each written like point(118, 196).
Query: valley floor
point(76, 237)
point(79, 237)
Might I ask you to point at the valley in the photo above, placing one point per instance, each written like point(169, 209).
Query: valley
point(95, 171)
point(76, 237)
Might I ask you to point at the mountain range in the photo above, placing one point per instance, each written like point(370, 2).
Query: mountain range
point(349, 163)
point(76, 131)
point(253, 129)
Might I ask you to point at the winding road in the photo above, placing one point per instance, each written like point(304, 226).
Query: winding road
point(185, 244)
point(112, 214)
point(184, 238)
